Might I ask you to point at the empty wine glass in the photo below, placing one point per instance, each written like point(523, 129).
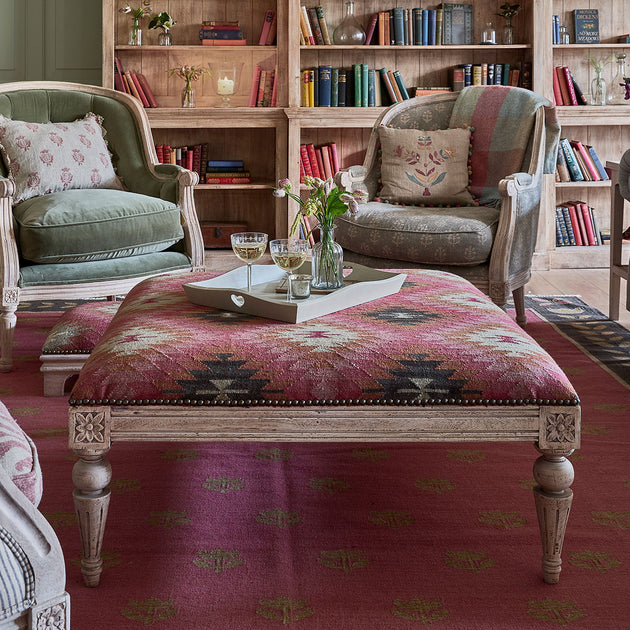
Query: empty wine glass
point(288, 254)
point(249, 247)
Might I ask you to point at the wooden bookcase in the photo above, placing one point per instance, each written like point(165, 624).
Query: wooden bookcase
point(269, 138)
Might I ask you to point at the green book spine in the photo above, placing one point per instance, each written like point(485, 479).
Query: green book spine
point(364, 84)
point(334, 88)
point(357, 84)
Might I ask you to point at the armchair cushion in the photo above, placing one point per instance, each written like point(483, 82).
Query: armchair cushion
point(47, 157)
point(87, 225)
point(18, 457)
point(425, 167)
point(455, 236)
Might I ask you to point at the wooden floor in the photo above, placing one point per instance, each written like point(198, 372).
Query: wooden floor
point(590, 284)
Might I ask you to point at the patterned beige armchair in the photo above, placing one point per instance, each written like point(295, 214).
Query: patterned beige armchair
point(514, 140)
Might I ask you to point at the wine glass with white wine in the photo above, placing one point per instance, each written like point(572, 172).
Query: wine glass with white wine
point(249, 247)
point(288, 254)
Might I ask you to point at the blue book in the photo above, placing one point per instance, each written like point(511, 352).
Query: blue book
point(399, 33)
point(220, 34)
point(401, 84)
point(567, 222)
point(225, 163)
point(505, 79)
point(432, 27)
point(569, 156)
point(457, 24)
point(498, 74)
point(324, 85)
point(598, 164)
point(468, 74)
point(555, 29)
point(371, 88)
point(334, 89)
point(425, 27)
point(586, 22)
point(417, 27)
point(364, 85)
point(562, 237)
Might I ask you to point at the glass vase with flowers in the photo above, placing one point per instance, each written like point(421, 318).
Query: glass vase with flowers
point(135, 32)
point(189, 74)
point(508, 11)
point(165, 22)
point(325, 202)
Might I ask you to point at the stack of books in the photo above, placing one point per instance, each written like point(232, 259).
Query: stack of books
point(226, 172)
point(566, 91)
point(576, 224)
point(578, 162)
point(492, 74)
point(359, 86)
point(313, 27)
point(321, 161)
point(218, 33)
point(133, 83)
point(263, 92)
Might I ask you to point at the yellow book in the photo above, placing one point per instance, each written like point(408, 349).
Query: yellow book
point(311, 88)
point(305, 94)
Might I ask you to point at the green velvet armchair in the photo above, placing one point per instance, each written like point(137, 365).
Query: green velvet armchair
point(110, 215)
point(490, 242)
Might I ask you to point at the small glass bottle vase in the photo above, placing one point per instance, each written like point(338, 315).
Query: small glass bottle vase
point(349, 31)
point(617, 92)
point(598, 89)
point(327, 261)
point(508, 33)
point(188, 96)
point(135, 34)
point(165, 38)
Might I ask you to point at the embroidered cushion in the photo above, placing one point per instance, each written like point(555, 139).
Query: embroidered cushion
point(428, 168)
point(42, 158)
point(18, 457)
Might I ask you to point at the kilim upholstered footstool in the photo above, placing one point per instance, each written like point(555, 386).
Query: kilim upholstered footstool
point(70, 342)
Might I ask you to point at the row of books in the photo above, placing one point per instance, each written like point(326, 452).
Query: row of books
point(566, 91)
point(226, 172)
point(576, 225)
point(358, 86)
point(578, 162)
point(321, 161)
point(133, 83)
point(230, 33)
point(313, 27)
point(263, 92)
point(492, 74)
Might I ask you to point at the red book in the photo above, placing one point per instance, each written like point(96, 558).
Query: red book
point(143, 98)
point(253, 92)
point(266, 27)
point(119, 82)
point(146, 89)
point(334, 157)
point(313, 159)
point(268, 87)
point(557, 94)
point(271, 36)
point(228, 180)
point(588, 161)
point(302, 172)
point(586, 216)
point(326, 162)
point(159, 150)
point(196, 165)
point(261, 88)
point(274, 90)
point(564, 88)
point(370, 29)
point(577, 233)
point(190, 159)
point(569, 81)
point(306, 163)
point(320, 163)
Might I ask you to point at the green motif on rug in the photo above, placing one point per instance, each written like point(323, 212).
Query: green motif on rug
point(328, 484)
point(502, 520)
point(372, 455)
point(474, 561)
point(466, 456)
point(278, 518)
point(345, 560)
point(391, 518)
point(284, 609)
point(218, 560)
point(423, 610)
point(223, 484)
point(612, 519)
point(120, 486)
point(168, 519)
point(439, 486)
point(560, 613)
point(149, 611)
point(601, 562)
point(180, 455)
point(274, 454)
point(61, 518)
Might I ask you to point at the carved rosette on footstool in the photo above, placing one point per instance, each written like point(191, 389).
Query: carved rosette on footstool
point(436, 362)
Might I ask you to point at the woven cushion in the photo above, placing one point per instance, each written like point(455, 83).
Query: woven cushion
point(18, 457)
point(425, 167)
point(453, 236)
point(87, 225)
point(46, 157)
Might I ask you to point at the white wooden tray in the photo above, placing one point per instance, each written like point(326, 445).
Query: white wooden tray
point(229, 292)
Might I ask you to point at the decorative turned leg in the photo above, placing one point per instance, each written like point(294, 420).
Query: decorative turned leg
point(8, 321)
point(554, 474)
point(91, 476)
point(518, 295)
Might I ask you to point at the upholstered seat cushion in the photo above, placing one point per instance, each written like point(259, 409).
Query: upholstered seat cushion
point(87, 225)
point(18, 457)
point(454, 236)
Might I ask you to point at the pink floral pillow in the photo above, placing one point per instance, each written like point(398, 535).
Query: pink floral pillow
point(49, 157)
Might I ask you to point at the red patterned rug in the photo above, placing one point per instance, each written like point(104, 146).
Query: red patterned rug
point(357, 536)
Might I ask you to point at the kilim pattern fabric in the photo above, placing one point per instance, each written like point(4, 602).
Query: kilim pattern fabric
point(438, 341)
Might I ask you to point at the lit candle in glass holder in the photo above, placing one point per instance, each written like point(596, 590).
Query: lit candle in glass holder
point(225, 86)
point(226, 75)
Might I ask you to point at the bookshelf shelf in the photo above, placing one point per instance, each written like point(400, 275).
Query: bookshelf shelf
point(601, 184)
point(589, 115)
point(603, 46)
point(193, 47)
point(440, 48)
point(252, 186)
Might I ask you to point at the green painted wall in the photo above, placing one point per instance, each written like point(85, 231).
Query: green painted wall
point(52, 40)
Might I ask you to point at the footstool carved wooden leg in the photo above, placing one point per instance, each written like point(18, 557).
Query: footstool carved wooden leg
point(90, 440)
point(553, 473)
